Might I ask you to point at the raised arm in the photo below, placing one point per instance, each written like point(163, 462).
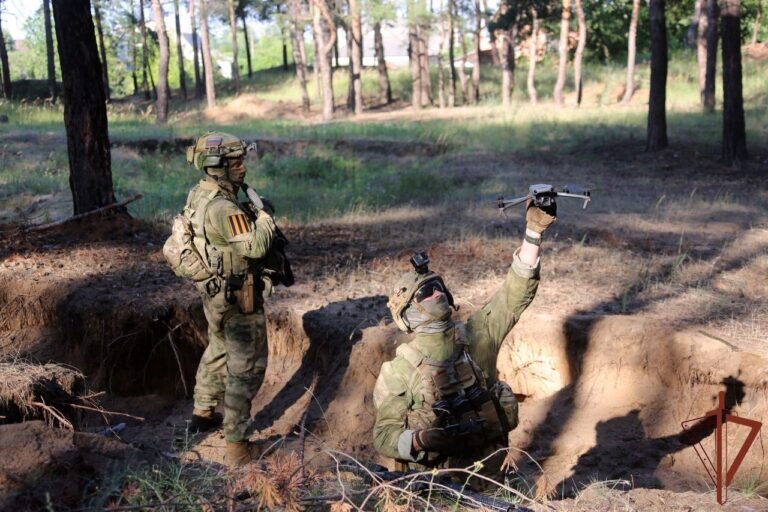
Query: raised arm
point(487, 328)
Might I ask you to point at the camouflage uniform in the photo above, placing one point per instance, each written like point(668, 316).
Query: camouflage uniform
point(233, 365)
point(399, 392)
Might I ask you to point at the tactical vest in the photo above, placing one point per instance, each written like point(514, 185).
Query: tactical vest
point(220, 259)
point(455, 391)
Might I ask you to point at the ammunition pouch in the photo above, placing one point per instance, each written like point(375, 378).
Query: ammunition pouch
point(242, 290)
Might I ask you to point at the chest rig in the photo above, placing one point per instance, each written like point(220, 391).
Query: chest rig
point(219, 257)
point(454, 391)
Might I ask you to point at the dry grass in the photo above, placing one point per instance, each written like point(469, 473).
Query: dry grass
point(40, 390)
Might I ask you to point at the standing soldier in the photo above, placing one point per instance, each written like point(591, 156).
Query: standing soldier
point(439, 398)
point(228, 250)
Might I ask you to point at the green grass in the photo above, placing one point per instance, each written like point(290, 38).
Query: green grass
point(321, 182)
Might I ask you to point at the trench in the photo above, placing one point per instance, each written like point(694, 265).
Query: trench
point(602, 397)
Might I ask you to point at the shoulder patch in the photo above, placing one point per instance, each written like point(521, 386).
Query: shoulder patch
point(238, 224)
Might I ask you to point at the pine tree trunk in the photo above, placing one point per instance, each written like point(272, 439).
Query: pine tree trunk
point(463, 78)
point(451, 56)
point(441, 96)
point(710, 77)
point(758, 18)
point(182, 74)
point(144, 51)
point(162, 65)
point(577, 58)
point(700, 33)
point(657, 115)
point(248, 46)
point(105, 64)
point(210, 91)
point(296, 33)
point(629, 90)
point(413, 45)
point(7, 88)
point(734, 130)
point(195, 56)
point(285, 48)
point(426, 79)
point(85, 113)
point(385, 89)
point(565, 22)
point(152, 82)
point(52, 89)
point(233, 35)
point(533, 55)
point(356, 29)
point(476, 69)
point(325, 30)
point(350, 73)
point(133, 51)
point(316, 41)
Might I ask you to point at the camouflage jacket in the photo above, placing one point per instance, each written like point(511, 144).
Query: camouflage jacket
point(398, 396)
point(229, 237)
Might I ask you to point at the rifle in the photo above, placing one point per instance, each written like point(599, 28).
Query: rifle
point(436, 485)
point(280, 242)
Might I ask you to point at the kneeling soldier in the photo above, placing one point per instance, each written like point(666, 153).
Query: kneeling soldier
point(439, 398)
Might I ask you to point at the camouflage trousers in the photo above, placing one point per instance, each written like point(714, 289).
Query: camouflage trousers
point(233, 364)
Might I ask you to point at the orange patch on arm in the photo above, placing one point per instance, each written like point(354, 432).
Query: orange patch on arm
point(238, 224)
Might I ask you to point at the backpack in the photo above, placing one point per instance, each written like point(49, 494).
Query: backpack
point(182, 255)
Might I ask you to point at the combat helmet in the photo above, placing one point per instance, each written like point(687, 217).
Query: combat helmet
point(211, 149)
point(406, 287)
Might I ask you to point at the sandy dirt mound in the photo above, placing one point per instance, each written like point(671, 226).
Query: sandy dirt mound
point(249, 106)
point(40, 462)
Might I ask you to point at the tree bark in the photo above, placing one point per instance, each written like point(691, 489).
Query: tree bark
point(210, 91)
point(385, 89)
point(52, 88)
point(85, 113)
point(285, 48)
point(356, 30)
point(144, 51)
point(413, 45)
point(350, 73)
point(195, 56)
point(463, 78)
point(7, 88)
point(182, 74)
point(476, 69)
point(325, 33)
point(710, 76)
point(577, 58)
point(441, 96)
point(451, 56)
point(133, 50)
point(629, 90)
point(233, 35)
point(734, 129)
point(247, 46)
point(699, 27)
point(426, 79)
point(504, 40)
point(533, 55)
point(105, 64)
point(758, 18)
point(162, 65)
point(657, 115)
point(565, 22)
point(296, 33)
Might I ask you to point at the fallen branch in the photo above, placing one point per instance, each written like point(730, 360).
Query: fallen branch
point(106, 412)
point(41, 227)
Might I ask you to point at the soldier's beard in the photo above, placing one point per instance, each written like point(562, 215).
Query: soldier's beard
point(433, 318)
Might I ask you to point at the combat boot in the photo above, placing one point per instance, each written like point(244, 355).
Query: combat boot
point(204, 420)
point(240, 453)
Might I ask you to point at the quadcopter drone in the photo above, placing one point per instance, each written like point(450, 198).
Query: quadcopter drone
point(544, 195)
